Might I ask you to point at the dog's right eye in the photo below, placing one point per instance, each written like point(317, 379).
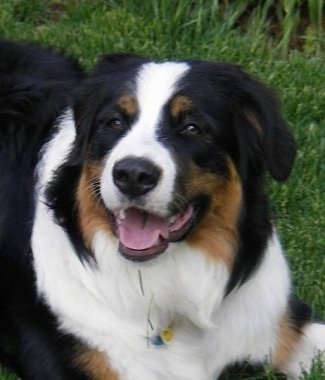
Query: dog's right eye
point(116, 123)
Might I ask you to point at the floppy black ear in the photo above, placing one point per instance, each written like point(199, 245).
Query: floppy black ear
point(277, 142)
point(280, 151)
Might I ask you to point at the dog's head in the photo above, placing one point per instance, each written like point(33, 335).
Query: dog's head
point(175, 151)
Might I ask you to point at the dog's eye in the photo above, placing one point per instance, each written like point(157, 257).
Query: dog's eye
point(190, 130)
point(116, 123)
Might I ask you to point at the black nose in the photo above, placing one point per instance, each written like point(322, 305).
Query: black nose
point(135, 176)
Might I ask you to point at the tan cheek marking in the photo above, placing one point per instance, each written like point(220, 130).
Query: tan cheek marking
point(128, 104)
point(94, 364)
point(288, 338)
point(92, 215)
point(180, 105)
point(217, 233)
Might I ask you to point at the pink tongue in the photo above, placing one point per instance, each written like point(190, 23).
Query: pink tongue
point(140, 230)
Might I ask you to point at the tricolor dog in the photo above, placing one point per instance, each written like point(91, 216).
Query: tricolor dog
point(136, 241)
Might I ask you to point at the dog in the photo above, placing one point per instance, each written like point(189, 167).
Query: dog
point(136, 234)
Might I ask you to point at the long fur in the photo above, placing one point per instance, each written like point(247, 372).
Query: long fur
point(89, 289)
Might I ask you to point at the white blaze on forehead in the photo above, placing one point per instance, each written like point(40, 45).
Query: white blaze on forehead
point(156, 83)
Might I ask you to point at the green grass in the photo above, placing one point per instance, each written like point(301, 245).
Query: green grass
point(203, 29)
point(5, 375)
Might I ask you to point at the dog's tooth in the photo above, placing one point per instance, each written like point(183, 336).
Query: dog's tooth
point(122, 214)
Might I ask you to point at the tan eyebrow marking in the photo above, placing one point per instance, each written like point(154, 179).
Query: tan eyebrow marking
point(128, 104)
point(179, 105)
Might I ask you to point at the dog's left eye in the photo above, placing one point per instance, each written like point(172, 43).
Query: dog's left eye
point(191, 130)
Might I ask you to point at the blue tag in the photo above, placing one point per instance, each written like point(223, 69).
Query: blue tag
point(157, 341)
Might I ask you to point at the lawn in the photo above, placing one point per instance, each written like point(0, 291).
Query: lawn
point(177, 29)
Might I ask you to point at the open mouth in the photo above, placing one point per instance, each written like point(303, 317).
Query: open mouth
point(143, 236)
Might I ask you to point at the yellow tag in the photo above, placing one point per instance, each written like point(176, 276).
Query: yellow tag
point(166, 335)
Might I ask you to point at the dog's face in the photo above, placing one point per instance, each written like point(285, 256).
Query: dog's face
point(172, 151)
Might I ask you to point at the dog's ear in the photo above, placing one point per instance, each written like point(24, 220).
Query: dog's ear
point(262, 112)
point(119, 62)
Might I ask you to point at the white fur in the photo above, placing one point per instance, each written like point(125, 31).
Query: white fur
point(56, 150)
point(108, 306)
point(311, 346)
point(155, 85)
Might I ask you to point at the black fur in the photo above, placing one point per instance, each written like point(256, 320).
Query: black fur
point(35, 87)
point(229, 102)
point(239, 118)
